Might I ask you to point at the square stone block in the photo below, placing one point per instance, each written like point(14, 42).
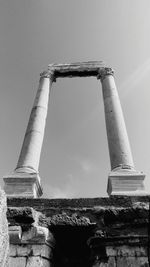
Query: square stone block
point(22, 185)
point(17, 262)
point(126, 182)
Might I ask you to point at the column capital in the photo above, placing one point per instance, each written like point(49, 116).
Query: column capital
point(48, 74)
point(102, 73)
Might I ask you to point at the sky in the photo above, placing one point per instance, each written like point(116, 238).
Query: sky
point(33, 33)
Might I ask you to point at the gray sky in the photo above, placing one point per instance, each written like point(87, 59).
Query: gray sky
point(35, 33)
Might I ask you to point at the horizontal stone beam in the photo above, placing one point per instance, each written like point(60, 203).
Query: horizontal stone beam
point(43, 205)
point(79, 69)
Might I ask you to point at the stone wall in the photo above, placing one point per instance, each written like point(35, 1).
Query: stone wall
point(30, 244)
point(101, 232)
point(4, 242)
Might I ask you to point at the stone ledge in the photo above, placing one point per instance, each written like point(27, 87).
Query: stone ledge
point(44, 203)
point(76, 216)
point(76, 212)
point(21, 184)
point(126, 182)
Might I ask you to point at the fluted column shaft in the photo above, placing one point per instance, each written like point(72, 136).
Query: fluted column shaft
point(119, 147)
point(31, 149)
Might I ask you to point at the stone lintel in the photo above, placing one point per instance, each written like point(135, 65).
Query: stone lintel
point(79, 69)
point(22, 185)
point(126, 182)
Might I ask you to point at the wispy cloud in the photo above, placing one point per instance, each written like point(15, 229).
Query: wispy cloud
point(84, 165)
point(87, 166)
point(135, 78)
point(67, 191)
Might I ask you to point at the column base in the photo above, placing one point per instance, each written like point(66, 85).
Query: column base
point(21, 184)
point(126, 182)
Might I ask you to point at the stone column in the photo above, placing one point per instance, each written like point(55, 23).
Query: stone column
point(123, 179)
point(25, 180)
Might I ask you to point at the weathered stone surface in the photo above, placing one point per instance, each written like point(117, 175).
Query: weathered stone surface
point(132, 262)
point(108, 232)
point(127, 251)
point(17, 262)
point(44, 251)
point(111, 262)
point(15, 234)
point(98, 264)
point(32, 261)
point(37, 234)
point(4, 242)
point(19, 184)
point(23, 250)
point(131, 251)
point(37, 261)
point(78, 69)
point(67, 219)
point(26, 250)
point(102, 211)
point(26, 215)
point(122, 262)
point(46, 205)
point(12, 250)
point(126, 182)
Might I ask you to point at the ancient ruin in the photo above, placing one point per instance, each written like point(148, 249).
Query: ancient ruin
point(123, 178)
point(101, 232)
point(92, 232)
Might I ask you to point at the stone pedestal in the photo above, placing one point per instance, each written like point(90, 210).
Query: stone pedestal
point(126, 182)
point(22, 184)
